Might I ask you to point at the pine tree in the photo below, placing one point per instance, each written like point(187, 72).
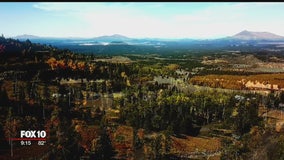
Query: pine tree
point(4, 100)
point(104, 149)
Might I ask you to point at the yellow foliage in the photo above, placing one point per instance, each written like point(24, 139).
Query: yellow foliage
point(84, 102)
point(237, 81)
point(173, 67)
point(235, 112)
point(128, 83)
point(123, 74)
point(51, 60)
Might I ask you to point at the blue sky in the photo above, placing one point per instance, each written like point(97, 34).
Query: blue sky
point(140, 20)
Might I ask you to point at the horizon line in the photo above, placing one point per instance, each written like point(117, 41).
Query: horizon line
point(117, 34)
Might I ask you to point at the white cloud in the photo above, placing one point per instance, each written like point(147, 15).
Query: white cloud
point(228, 19)
point(125, 23)
point(66, 6)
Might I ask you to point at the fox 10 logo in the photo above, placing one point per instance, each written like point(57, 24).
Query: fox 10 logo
point(27, 136)
point(33, 134)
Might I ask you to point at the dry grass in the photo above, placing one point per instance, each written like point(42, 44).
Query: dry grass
point(122, 140)
point(116, 59)
point(190, 145)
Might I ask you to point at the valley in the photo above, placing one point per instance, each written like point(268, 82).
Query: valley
point(177, 101)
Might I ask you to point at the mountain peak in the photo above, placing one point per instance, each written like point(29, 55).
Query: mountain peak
point(118, 35)
point(26, 36)
point(244, 31)
point(114, 37)
point(249, 35)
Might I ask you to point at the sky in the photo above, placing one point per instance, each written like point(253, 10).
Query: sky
point(203, 20)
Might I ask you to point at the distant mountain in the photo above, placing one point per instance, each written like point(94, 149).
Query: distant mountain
point(112, 38)
point(117, 39)
point(248, 35)
point(26, 36)
point(117, 44)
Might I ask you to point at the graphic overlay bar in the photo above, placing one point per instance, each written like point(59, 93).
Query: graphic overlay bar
point(28, 139)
